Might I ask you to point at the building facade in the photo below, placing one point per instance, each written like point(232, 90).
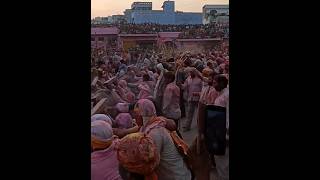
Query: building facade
point(117, 19)
point(104, 38)
point(141, 6)
point(100, 20)
point(215, 13)
point(141, 12)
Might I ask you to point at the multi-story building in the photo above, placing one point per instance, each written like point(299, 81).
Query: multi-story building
point(141, 6)
point(215, 13)
point(116, 19)
point(141, 12)
point(103, 38)
point(100, 20)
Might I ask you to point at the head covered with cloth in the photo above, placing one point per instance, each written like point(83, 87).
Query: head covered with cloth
point(101, 135)
point(104, 162)
point(137, 153)
point(171, 165)
point(101, 117)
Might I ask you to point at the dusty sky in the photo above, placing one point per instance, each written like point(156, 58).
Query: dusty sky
point(112, 7)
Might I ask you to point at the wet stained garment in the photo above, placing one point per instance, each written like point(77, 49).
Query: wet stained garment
point(172, 165)
point(159, 92)
point(146, 91)
point(104, 162)
point(105, 165)
point(152, 85)
point(126, 92)
point(193, 87)
point(208, 95)
point(171, 102)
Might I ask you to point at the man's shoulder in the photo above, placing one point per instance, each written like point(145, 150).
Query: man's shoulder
point(158, 131)
point(226, 92)
point(172, 86)
point(175, 87)
point(205, 88)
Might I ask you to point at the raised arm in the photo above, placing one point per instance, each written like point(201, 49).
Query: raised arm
point(123, 132)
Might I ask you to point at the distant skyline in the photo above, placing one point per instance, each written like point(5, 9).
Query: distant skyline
point(105, 8)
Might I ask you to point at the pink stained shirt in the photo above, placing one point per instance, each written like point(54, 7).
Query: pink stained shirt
point(223, 98)
point(208, 95)
point(146, 91)
point(171, 101)
point(127, 93)
point(192, 87)
point(105, 165)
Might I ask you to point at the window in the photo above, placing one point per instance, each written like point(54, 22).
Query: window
point(92, 39)
point(101, 39)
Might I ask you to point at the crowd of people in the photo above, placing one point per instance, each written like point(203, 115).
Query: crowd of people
point(204, 31)
point(187, 31)
point(142, 102)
